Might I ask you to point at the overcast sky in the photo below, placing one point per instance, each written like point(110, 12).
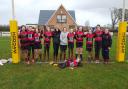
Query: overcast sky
point(27, 11)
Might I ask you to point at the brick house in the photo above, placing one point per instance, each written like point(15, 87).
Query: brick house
point(57, 18)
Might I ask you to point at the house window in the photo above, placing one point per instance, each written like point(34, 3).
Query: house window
point(71, 26)
point(61, 18)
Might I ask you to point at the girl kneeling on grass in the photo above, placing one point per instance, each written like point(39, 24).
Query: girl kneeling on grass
point(47, 40)
point(63, 43)
point(106, 45)
point(89, 45)
point(38, 45)
point(79, 35)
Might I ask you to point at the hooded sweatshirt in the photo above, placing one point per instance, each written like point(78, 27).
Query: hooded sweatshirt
point(63, 38)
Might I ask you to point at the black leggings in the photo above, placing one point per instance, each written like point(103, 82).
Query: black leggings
point(98, 46)
point(105, 53)
point(56, 49)
point(46, 51)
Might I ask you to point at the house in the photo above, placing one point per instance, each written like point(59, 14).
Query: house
point(59, 18)
point(33, 25)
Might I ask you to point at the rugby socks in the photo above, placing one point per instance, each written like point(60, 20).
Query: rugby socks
point(48, 53)
point(72, 53)
point(76, 56)
point(40, 57)
point(81, 57)
point(26, 59)
point(69, 55)
point(61, 55)
point(64, 56)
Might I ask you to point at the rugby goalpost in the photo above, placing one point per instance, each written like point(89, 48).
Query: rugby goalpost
point(14, 37)
point(121, 41)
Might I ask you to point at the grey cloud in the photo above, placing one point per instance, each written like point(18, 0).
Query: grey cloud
point(27, 11)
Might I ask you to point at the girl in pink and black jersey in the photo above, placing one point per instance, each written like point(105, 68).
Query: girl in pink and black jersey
point(30, 37)
point(70, 37)
point(23, 42)
point(38, 44)
point(79, 35)
point(89, 45)
point(47, 40)
point(98, 42)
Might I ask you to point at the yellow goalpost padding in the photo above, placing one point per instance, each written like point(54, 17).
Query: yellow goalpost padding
point(121, 41)
point(14, 41)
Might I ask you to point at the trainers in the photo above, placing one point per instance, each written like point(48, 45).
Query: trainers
point(28, 62)
point(33, 61)
point(97, 61)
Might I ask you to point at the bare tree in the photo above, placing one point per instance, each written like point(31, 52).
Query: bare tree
point(116, 16)
point(126, 14)
point(87, 25)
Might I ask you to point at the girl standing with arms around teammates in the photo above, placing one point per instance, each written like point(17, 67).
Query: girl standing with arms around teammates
point(47, 40)
point(56, 43)
point(98, 42)
point(38, 44)
point(31, 44)
point(89, 45)
point(106, 45)
point(23, 42)
point(70, 37)
point(63, 43)
point(79, 35)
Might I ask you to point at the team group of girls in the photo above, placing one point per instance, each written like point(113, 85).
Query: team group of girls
point(32, 39)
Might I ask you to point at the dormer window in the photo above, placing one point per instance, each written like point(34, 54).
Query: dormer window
point(61, 18)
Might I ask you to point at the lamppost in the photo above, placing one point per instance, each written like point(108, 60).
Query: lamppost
point(14, 37)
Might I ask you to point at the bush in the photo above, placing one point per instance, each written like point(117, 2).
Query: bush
point(4, 28)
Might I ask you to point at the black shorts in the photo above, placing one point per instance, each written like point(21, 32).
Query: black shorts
point(98, 44)
point(46, 45)
point(30, 47)
point(63, 47)
point(70, 45)
point(37, 46)
point(88, 47)
point(79, 45)
point(24, 47)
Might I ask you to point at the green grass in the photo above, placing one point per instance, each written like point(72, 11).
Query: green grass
point(44, 76)
point(5, 51)
point(90, 76)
